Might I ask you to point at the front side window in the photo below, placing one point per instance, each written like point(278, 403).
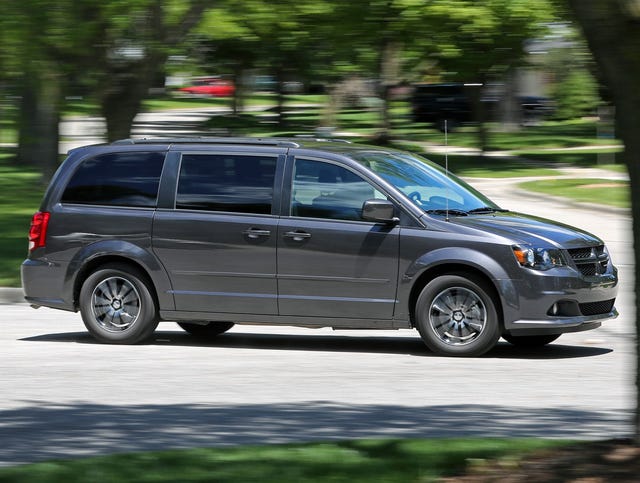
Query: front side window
point(324, 190)
point(231, 183)
point(116, 179)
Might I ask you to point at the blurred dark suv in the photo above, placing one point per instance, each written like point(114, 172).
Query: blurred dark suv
point(212, 232)
point(437, 103)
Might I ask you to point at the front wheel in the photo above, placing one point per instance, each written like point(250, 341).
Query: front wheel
point(206, 331)
point(117, 305)
point(456, 316)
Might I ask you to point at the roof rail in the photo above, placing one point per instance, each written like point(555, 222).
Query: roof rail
point(311, 137)
point(213, 140)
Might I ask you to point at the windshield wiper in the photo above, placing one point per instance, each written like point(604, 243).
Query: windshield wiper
point(487, 209)
point(452, 212)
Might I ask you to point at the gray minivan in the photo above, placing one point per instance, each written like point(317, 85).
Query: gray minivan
point(210, 232)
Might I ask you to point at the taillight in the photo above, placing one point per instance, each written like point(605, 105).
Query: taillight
point(38, 230)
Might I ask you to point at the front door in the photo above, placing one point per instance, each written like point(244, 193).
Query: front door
point(332, 263)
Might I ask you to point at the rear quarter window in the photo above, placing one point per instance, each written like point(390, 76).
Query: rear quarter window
point(116, 179)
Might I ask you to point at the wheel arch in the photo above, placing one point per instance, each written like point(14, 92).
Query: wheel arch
point(460, 269)
point(94, 257)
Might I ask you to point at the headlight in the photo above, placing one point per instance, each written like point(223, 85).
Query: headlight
point(538, 258)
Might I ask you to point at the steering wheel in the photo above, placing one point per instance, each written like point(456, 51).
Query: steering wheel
point(415, 196)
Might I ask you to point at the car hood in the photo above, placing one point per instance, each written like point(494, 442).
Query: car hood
point(521, 228)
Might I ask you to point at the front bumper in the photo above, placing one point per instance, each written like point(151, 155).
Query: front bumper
point(556, 302)
point(559, 325)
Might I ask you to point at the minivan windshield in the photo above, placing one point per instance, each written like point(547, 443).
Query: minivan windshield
point(425, 183)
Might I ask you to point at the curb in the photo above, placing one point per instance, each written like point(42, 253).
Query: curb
point(11, 296)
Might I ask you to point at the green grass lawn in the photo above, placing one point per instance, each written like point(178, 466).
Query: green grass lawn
point(490, 167)
point(548, 134)
point(588, 190)
point(20, 195)
point(387, 460)
point(610, 159)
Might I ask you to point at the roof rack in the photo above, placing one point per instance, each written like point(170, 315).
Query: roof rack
point(311, 137)
point(213, 140)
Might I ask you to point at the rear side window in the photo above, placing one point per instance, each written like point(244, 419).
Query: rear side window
point(117, 179)
point(232, 183)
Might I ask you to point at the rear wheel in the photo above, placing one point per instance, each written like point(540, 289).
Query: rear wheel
point(206, 331)
point(530, 340)
point(456, 316)
point(117, 305)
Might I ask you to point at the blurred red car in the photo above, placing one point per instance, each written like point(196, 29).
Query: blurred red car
point(210, 86)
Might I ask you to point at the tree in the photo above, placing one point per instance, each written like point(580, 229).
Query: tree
point(115, 47)
point(282, 38)
point(483, 41)
point(612, 30)
point(43, 43)
point(137, 39)
point(462, 41)
point(575, 90)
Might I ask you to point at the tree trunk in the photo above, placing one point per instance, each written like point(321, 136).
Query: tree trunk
point(388, 71)
point(479, 115)
point(613, 34)
point(237, 103)
point(629, 133)
point(127, 82)
point(39, 120)
point(510, 110)
point(121, 101)
point(280, 97)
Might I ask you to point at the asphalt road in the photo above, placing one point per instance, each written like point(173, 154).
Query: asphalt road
point(62, 395)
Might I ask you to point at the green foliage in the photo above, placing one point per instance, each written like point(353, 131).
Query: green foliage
point(576, 95)
point(478, 40)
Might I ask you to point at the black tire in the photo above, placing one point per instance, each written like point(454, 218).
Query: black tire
point(206, 331)
point(117, 305)
point(530, 340)
point(456, 316)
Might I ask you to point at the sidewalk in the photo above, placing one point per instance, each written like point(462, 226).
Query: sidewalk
point(9, 295)
point(495, 189)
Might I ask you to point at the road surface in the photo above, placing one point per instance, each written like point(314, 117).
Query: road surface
point(63, 396)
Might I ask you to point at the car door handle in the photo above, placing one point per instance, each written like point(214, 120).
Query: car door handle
point(297, 235)
point(255, 233)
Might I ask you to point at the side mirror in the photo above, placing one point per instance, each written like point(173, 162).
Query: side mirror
point(379, 211)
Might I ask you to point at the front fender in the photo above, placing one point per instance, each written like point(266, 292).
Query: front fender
point(450, 259)
point(456, 255)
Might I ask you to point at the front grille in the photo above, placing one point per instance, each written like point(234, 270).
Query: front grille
point(590, 261)
point(597, 308)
